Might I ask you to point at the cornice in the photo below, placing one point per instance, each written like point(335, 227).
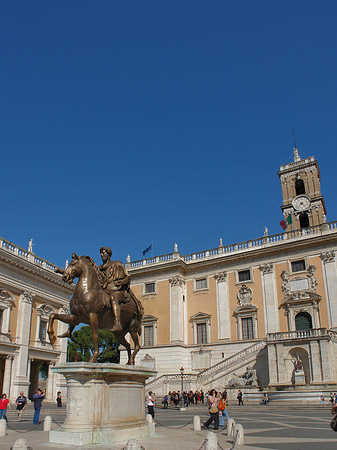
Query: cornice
point(30, 268)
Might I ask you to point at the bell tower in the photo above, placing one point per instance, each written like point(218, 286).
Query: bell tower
point(301, 192)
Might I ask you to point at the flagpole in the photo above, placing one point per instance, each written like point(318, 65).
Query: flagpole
point(151, 249)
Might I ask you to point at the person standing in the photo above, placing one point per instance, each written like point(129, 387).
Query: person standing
point(59, 399)
point(37, 399)
point(223, 409)
point(213, 410)
point(4, 403)
point(239, 397)
point(150, 404)
point(21, 404)
point(165, 401)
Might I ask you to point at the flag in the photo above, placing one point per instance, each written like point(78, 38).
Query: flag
point(147, 250)
point(286, 222)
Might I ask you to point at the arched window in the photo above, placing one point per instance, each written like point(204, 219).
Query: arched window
point(304, 220)
point(299, 187)
point(303, 321)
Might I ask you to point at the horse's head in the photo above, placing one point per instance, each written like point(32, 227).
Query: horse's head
point(73, 270)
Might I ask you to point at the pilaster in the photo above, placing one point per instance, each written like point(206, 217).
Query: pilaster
point(271, 313)
point(223, 307)
point(176, 309)
point(23, 333)
point(330, 286)
point(7, 382)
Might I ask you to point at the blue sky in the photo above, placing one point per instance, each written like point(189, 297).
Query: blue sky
point(126, 123)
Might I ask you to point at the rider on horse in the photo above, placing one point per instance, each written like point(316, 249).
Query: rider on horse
point(116, 282)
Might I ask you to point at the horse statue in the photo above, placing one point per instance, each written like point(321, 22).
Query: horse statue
point(87, 305)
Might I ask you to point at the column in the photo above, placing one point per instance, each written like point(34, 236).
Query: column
point(271, 313)
point(330, 286)
point(50, 388)
point(176, 309)
point(223, 307)
point(7, 383)
point(21, 382)
point(272, 364)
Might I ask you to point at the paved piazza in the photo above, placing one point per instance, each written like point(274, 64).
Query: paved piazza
point(266, 427)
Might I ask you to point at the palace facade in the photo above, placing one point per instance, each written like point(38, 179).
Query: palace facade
point(263, 303)
point(30, 291)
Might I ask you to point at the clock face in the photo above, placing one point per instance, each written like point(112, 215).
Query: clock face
point(301, 203)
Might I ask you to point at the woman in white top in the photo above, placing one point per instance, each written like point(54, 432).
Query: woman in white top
point(150, 404)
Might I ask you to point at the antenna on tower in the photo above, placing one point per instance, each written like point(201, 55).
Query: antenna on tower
point(295, 146)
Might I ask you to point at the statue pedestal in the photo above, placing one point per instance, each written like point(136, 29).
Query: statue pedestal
point(299, 377)
point(106, 404)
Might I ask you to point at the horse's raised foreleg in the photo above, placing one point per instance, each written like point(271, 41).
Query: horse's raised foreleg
point(66, 318)
point(135, 338)
point(93, 318)
point(121, 339)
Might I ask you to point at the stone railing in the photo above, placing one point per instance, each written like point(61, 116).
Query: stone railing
point(27, 256)
point(157, 382)
point(301, 334)
point(223, 250)
point(231, 360)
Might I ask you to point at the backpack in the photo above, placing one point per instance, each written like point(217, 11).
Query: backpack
point(222, 405)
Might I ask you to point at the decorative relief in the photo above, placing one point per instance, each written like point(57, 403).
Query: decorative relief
point(45, 310)
point(328, 257)
point(312, 279)
point(286, 284)
point(221, 277)
point(177, 281)
point(28, 297)
point(266, 268)
point(64, 310)
point(6, 298)
point(245, 295)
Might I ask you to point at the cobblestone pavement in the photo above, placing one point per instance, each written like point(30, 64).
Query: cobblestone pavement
point(273, 427)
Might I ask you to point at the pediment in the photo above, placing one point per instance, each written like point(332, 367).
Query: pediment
point(304, 296)
point(200, 315)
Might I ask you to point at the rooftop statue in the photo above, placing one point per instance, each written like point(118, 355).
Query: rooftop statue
point(102, 299)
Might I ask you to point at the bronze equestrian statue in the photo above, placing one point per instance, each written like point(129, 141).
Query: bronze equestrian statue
point(102, 299)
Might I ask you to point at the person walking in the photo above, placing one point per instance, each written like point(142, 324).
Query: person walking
point(59, 399)
point(223, 409)
point(37, 399)
point(21, 404)
point(4, 404)
point(239, 397)
point(213, 410)
point(150, 404)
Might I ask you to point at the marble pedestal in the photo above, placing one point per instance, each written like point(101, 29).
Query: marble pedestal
point(105, 404)
point(299, 377)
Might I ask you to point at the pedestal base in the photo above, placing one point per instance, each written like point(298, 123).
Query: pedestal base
point(299, 378)
point(105, 404)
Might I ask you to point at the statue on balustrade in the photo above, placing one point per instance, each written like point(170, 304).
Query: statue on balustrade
point(102, 299)
point(249, 378)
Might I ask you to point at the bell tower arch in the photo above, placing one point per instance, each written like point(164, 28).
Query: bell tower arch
point(301, 192)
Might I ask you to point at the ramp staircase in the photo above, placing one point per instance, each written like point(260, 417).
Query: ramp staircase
point(211, 374)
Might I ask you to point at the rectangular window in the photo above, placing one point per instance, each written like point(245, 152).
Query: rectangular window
point(150, 288)
point(298, 266)
point(247, 328)
point(1, 318)
point(43, 331)
point(148, 335)
point(201, 283)
point(244, 275)
point(201, 333)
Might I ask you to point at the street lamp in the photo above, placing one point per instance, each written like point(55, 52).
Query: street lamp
point(182, 404)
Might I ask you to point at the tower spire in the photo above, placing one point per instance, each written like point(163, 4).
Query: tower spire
point(296, 155)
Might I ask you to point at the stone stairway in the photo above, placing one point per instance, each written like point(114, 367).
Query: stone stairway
point(206, 377)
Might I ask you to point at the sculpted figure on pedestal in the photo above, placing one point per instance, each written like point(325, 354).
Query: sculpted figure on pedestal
point(102, 299)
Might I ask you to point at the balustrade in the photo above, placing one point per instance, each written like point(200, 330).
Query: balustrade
point(222, 251)
point(299, 334)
